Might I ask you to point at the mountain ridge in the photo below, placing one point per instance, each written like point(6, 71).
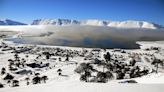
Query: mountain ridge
point(119, 24)
point(91, 22)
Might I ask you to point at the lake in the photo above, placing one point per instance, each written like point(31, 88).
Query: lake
point(86, 36)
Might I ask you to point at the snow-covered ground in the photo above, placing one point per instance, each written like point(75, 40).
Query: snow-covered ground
point(70, 82)
point(18, 58)
point(87, 87)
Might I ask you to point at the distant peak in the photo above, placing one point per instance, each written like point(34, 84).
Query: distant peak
point(10, 22)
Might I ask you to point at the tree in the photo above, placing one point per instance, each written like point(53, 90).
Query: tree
point(10, 60)
point(59, 71)
point(85, 76)
point(9, 82)
point(16, 57)
point(67, 57)
point(109, 75)
point(104, 77)
point(1, 85)
point(8, 77)
point(36, 80)
point(133, 62)
point(85, 70)
point(107, 57)
point(157, 62)
point(101, 77)
point(44, 78)
point(48, 56)
point(3, 71)
point(37, 74)
point(27, 81)
point(120, 75)
point(27, 57)
point(15, 83)
point(59, 58)
point(104, 65)
point(84, 67)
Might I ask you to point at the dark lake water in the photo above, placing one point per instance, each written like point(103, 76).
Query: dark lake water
point(86, 43)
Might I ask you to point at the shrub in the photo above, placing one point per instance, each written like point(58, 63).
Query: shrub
point(104, 77)
point(1, 85)
point(84, 67)
point(8, 77)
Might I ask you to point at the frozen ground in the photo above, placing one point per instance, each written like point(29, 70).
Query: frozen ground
point(70, 81)
point(153, 82)
point(87, 87)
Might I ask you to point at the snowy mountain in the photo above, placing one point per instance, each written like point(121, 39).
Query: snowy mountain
point(63, 22)
point(10, 22)
point(55, 22)
point(123, 24)
point(134, 24)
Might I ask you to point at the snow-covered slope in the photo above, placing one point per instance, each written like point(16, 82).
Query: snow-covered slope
point(123, 24)
point(133, 24)
point(94, 22)
point(10, 22)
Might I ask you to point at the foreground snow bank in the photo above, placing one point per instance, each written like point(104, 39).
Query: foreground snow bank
point(151, 79)
point(87, 87)
point(149, 44)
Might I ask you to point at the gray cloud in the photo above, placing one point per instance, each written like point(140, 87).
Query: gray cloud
point(88, 36)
